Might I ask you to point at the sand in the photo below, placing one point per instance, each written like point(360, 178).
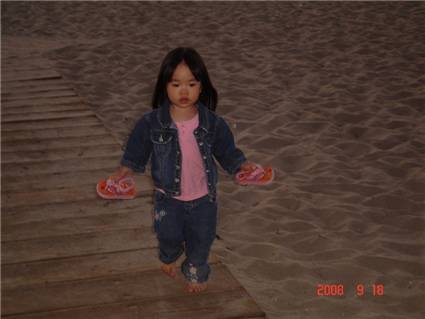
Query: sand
point(330, 94)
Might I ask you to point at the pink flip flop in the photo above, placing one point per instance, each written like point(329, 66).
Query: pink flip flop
point(260, 176)
point(122, 189)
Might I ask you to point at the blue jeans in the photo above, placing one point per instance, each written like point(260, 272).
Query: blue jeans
point(186, 226)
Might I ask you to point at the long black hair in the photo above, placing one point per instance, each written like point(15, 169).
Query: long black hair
point(196, 65)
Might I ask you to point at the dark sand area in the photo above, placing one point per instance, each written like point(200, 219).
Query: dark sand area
point(332, 94)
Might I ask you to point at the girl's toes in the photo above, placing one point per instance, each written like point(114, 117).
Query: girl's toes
point(196, 287)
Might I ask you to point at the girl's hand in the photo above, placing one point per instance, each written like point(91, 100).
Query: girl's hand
point(248, 167)
point(120, 173)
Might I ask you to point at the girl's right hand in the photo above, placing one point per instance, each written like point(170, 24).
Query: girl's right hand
point(120, 173)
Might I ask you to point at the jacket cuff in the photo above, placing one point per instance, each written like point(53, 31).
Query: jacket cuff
point(236, 167)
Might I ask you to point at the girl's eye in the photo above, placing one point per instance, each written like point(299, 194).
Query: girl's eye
point(177, 85)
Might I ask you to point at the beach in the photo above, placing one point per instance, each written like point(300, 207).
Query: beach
point(330, 94)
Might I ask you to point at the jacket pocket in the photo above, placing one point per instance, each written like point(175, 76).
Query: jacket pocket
point(160, 137)
point(161, 142)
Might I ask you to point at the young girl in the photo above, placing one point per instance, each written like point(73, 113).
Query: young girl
point(183, 134)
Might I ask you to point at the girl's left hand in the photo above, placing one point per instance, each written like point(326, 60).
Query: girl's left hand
point(248, 166)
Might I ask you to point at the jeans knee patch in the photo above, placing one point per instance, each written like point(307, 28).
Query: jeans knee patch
point(159, 214)
point(195, 274)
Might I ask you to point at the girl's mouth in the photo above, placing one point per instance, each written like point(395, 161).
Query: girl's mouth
point(184, 100)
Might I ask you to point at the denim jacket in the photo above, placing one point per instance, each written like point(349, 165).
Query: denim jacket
point(156, 135)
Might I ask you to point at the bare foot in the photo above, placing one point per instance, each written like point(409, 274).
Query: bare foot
point(196, 287)
point(169, 269)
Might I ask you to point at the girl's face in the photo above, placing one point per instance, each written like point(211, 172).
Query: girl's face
point(183, 89)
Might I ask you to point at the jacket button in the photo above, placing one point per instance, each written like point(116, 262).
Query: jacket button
point(178, 166)
point(207, 170)
point(209, 184)
point(204, 157)
point(201, 144)
point(177, 180)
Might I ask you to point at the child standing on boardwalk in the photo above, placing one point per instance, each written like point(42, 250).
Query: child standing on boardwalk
point(182, 135)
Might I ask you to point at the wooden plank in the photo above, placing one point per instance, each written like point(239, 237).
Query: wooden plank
point(63, 180)
point(59, 143)
point(109, 311)
point(228, 304)
point(85, 208)
point(46, 116)
point(24, 63)
point(20, 251)
point(51, 123)
point(13, 67)
point(55, 167)
point(30, 75)
point(36, 85)
point(107, 151)
point(41, 197)
point(143, 286)
point(49, 133)
point(225, 303)
point(18, 65)
point(72, 226)
point(44, 101)
point(43, 108)
point(12, 91)
point(57, 195)
point(84, 267)
point(20, 95)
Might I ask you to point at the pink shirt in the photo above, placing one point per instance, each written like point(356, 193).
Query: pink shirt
point(193, 178)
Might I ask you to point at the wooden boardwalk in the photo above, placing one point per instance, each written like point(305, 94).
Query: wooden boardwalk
point(65, 252)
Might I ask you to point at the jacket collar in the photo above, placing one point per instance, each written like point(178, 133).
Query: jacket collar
point(164, 117)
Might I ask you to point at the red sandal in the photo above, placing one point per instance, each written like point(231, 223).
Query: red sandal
point(122, 189)
point(260, 176)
